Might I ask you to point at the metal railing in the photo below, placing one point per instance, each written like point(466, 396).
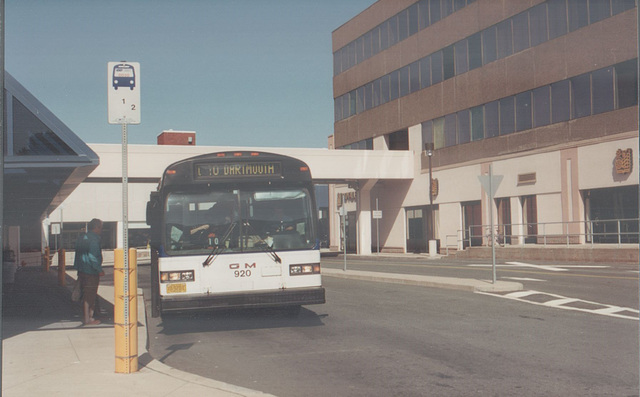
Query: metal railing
point(609, 231)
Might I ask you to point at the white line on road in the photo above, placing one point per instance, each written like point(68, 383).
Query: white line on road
point(522, 279)
point(561, 302)
point(543, 267)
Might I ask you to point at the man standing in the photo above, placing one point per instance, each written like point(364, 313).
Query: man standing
point(88, 262)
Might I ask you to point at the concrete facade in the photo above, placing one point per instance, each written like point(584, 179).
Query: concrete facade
point(557, 171)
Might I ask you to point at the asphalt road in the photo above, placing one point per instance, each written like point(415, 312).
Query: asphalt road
point(378, 339)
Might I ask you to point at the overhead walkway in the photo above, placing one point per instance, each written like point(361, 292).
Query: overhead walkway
point(361, 168)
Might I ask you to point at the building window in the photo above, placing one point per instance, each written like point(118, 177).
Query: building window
point(448, 62)
point(477, 123)
point(360, 100)
point(403, 25)
point(450, 130)
point(581, 96)
point(491, 119)
point(560, 102)
point(404, 81)
point(384, 90)
point(599, 10)
point(436, 67)
point(542, 106)
point(523, 111)
point(475, 51)
point(399, 140)
point(489, 46)
point(427, 132)
point(602, 86)
point(627, 84)
point(461, 57)
point(507, 116)
point(464, 126)
point(538, 21)
point(521, 32)
point(423, 14)
point(425, 72)
point(434, 11)
point(438, 133)
point(413, 19)
point(557, 18)
point(505, 39)
point(578, 14)
point(414, 77)
point(394, 85)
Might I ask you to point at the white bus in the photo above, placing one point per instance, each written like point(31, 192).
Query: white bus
point(234, 230)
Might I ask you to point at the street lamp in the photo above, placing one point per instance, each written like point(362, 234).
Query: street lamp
point(428, 148)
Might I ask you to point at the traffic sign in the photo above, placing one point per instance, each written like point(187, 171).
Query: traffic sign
point(123, 88)
point(377, 214)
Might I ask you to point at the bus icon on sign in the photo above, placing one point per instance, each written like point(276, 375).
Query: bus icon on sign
point(124, 76)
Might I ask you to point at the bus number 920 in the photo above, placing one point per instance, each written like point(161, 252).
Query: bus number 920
point(242, 273)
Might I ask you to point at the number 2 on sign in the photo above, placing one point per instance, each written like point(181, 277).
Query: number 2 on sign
point(133, 106)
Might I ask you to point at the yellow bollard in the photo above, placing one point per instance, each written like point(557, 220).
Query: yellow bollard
point(61, 268)
point(126, 326)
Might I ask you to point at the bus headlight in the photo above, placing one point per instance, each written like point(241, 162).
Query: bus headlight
point(308, 268)
point(170, 277)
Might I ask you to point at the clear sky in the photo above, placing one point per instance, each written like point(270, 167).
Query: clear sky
point(238, 72)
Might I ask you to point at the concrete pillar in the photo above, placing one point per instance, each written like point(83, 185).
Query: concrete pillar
point(364, 217)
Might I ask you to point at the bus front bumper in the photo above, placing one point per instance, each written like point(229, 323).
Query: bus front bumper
point(279, 298)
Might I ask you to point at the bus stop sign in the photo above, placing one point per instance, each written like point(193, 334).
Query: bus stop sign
point(123, 88)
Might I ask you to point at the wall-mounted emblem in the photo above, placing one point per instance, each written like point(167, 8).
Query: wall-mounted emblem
point(623, 161)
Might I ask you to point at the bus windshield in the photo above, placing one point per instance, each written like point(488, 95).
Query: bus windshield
point(238, 221)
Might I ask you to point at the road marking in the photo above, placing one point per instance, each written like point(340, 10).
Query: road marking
point(563, 302)
point(522, 279)
point(543, 267)
point(586, 266)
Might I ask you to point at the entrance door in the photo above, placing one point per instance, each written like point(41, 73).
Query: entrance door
point(352, 232)
point(416, 230)
point(472, 223)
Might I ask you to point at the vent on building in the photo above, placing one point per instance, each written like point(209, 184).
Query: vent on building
point(527, 179)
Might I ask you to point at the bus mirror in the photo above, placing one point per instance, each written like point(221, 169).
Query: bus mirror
point(153, 209)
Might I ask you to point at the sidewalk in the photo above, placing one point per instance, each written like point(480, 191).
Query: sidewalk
point(47, 351)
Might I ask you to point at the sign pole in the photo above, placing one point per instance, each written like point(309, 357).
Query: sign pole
point(377, 228)
point(125, 239)
point(123, 100)
point(493, 240)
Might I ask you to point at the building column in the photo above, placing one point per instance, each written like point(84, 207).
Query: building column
point(517, 228)
point(364, 217)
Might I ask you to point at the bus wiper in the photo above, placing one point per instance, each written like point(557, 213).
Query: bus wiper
point(218, 249)
point(265, 246)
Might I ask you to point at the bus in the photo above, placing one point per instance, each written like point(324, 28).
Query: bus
point(234, 230)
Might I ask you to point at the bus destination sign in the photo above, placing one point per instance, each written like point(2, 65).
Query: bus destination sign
point(238, 170)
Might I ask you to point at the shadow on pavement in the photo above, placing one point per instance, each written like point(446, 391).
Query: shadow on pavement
point(234, 320)
point(36, 301)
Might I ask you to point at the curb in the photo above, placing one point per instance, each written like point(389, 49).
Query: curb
point(464, 284)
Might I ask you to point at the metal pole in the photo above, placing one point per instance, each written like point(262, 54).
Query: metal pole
point(493, 243)
point(125, 235)
point(377, 229)
point(2, 140)
point(433, 228)
point(344, 236)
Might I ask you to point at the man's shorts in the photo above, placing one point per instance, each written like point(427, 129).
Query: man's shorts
point(89, 284)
